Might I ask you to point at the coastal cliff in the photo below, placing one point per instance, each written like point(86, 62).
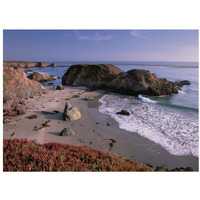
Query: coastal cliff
point(24, 64)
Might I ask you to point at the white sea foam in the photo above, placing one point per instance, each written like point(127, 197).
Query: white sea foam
point(177, 133)
point(146, 100)
point(181, 92)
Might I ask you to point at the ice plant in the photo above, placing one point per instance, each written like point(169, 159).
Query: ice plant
point(24, 155)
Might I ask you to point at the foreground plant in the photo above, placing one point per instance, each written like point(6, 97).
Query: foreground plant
point(24, 155)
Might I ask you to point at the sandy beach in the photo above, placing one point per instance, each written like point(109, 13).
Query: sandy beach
point(93, 129)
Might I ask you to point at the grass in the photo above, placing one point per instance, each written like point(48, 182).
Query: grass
point(24, 155)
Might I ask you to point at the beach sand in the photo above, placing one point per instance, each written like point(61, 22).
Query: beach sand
point(93, 129)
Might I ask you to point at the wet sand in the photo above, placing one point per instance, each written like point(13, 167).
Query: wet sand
point(93, 129)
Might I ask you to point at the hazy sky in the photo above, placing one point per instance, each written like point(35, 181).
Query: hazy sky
point(100, 45)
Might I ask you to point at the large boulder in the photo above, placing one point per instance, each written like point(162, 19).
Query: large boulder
point(36, 76)
point(138, 81)
point(71, 113)
point(90, 75)
point(15, 83)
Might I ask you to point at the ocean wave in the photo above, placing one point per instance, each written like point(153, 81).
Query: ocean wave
point(177, 133)
point(146, 100)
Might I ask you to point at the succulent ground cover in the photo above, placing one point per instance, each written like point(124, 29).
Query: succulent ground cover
point(24, 155)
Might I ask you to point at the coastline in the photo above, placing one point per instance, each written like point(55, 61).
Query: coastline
point(93, 129)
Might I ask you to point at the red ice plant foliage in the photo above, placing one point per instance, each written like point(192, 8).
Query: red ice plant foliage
point(24, 155)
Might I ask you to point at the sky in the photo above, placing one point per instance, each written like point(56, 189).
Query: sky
point(100, 45)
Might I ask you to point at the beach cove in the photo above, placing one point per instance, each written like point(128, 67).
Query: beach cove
point(93, 129)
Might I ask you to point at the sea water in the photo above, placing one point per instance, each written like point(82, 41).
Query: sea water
point(171, 120)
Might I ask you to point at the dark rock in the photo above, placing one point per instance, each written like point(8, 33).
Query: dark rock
point(67, 132)
point(60, 87)
point(36, 76)
point(109, 77)
point(136, 81)
point(123, 112)
point(161, 169)
point(108, 124)
point(181, 169)
point(34, 116)
point(52, 65)
point(90, 75)
point(182, 83)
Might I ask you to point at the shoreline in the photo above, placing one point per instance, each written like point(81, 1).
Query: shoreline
point(93, 129)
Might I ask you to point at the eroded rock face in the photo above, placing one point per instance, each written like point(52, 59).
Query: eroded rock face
point(36, 76)
point(90, 75)
point(15, 83)
point(15, 87)
point(110, 78)
point(138, 81)
point(71, 113)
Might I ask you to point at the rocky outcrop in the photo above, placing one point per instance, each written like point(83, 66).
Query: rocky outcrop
point(182, 83)
point(15, 83)
point(36, 76)
point(67, 132)
point(24, 64)
point(15, 87)
point(71, 113)
point(90, 75)
point(109, 77)
point(138, 81)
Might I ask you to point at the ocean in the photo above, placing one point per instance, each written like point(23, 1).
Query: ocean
point(170, 121)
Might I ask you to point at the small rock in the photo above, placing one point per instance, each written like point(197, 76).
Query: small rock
point(89, 99)
point(67, 132)
point(123, 112)
point(60, 87)
point(108, 124)
point(34, 116)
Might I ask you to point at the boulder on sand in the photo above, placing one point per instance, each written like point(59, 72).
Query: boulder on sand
point(71, 113)
point(67, 132)
point(60, 87)
point(36, 76)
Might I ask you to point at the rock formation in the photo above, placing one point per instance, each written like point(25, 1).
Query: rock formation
point(71, 113)
point(90, 75)
point(109, 77)
point(36, 76)
point(60, 87)
point(24, 64)
point(67, 132)
point(15, 87)
point(138, 81)
point(15, 83)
